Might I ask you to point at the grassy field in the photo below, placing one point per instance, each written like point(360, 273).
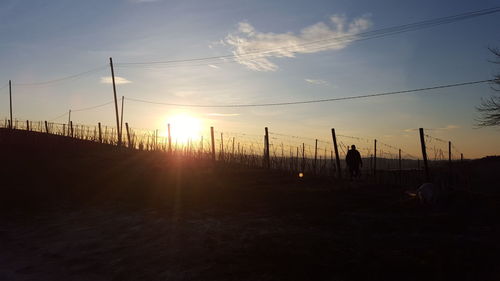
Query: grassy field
point(75, 210)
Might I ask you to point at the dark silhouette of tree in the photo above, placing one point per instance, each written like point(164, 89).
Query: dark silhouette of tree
point(489, 109)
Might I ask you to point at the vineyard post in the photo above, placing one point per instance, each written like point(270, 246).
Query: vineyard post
point(128, 135)
point(10, 102)
point(267, 153)
point(424, 154)
point(461, 157)
point(27, 125)
point(100, 132)
point(118, 132)
point(375, 157)
point(69, 121)
point(400, 167)
point(64, 129)
point(449, 162)
point(337, 158)
point(121, 117)
point(169, 139)
point(213, 142)
point(46, 127)
point(71, 128)
point(315, 156)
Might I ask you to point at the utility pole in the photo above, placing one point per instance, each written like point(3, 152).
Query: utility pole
point(10, 99)
point(116, 102)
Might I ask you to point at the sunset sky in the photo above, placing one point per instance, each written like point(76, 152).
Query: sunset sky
point(46, 40)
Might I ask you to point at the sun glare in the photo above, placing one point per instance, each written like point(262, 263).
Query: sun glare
point(184, 128)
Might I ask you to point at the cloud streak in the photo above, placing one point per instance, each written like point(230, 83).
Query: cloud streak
point(317, 82)
point(254, 49)
point(118, 80)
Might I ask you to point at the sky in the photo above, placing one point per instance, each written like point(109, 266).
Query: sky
point(265, 52)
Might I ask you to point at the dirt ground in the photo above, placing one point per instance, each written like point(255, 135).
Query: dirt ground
point(77, 211)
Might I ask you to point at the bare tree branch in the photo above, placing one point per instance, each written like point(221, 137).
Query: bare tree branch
point(489, 109)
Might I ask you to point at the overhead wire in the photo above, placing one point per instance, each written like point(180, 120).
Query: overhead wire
point(311, 101)
point(57, 80)
point(82, 109)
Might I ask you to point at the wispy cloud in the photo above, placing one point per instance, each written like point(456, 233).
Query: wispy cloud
point(118, 80)
point(317, 82)
point(223, 114)
point(254, 49)
point(448, 128)
point(213, 66)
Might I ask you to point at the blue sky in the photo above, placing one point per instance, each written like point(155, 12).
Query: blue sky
point(44, 40)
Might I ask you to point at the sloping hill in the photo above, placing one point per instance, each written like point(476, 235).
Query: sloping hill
point(76, 210)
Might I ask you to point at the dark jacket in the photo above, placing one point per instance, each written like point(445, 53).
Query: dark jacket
point(353, 158)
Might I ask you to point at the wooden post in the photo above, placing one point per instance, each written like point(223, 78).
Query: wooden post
point(169, 139)
point(46, 127)
point(267, 152)
point(128, 136)
point(69, 121)
point(100, 132)
point(400, 166)
point(27, 125)
point(10, 102)
point(71, 128)
point(461, 157)
point(121, 117)
point(315, 156)
point(424, 154)
point(213, 143)
point(337, 158)
point(375, 158)
point(116, 103)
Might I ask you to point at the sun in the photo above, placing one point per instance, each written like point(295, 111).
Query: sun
point(184, 128)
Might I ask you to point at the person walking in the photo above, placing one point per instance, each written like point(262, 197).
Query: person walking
point(354, 162)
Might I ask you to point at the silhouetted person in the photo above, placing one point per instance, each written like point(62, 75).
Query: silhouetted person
point(353, 159)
